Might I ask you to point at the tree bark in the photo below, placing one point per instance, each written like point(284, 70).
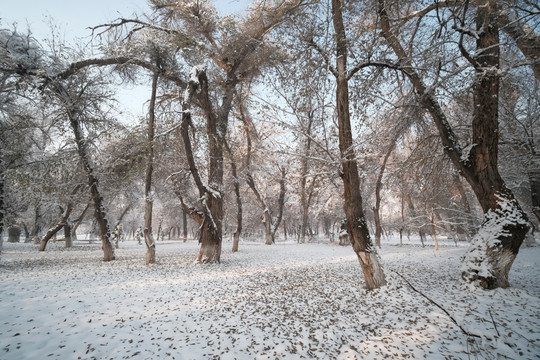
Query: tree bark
point(356, 222)
point(497, 243)
point(148, 199)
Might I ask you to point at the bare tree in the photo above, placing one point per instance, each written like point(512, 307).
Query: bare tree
point(492, 251)
point(354, 212)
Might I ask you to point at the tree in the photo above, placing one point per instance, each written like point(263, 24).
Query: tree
point(356, 223)
point(505, 224)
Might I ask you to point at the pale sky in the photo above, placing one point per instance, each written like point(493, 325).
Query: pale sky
point(75, 16)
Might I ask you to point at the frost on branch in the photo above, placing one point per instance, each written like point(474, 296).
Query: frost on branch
point(19, 51)
point(487, 262)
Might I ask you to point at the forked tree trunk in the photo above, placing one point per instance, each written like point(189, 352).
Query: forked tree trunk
point(52, 231)
point(494, 248)
point(93, 184)
point(354, 213)
point(210, 193)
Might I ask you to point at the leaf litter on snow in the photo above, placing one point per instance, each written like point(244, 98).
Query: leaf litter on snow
point(293, 301)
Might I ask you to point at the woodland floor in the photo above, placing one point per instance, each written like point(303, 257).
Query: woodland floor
point(285, 301)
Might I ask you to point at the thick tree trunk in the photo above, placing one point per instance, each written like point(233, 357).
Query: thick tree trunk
point(148, 200)
point(216, 128)
point(356, 222)
point(497, 243)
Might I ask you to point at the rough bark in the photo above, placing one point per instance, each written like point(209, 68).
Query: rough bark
point(356, 223)
point(148, 200)
point(497, 243)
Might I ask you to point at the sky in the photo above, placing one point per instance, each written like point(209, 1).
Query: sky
point(74, 17)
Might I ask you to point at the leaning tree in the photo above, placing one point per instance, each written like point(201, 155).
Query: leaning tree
point(476, 28)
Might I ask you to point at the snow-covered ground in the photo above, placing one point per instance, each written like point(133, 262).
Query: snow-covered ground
point(285, 301)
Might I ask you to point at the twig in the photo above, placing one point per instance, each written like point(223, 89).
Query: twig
point(440, 307)
point(493, 321)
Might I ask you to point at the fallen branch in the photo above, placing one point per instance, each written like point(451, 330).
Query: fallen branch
point(440, 307)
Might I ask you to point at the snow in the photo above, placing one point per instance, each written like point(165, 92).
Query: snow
point(286, 301)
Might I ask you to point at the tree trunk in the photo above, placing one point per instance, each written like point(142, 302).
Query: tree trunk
point(78, 221)
point(118, 226)
point(14, 234)
point(67, 234)
point(148, 199)
point(238, 231)
point(378, 188)
point(216, 127)
point(497, 243)
point(534, 183)
point(356, 223)
point(184, 225)
point(52, 231)
point(434, 232)
point(93, 184)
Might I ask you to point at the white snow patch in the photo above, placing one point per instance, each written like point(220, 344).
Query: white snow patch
point(287, 301)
